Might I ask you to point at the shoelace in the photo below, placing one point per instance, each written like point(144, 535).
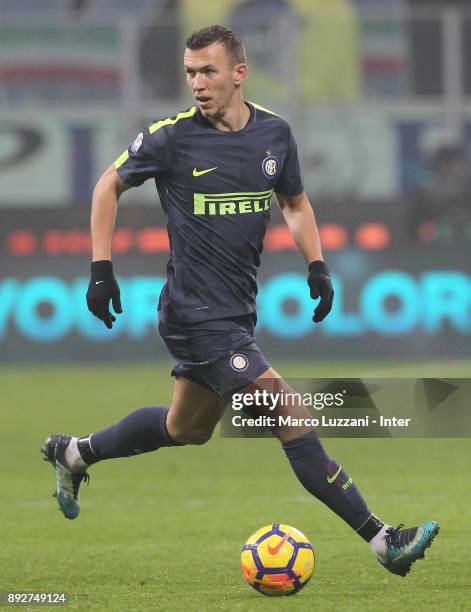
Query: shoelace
point(392, 531)
point(70, 478)
point(399, 537)
point(77, 479)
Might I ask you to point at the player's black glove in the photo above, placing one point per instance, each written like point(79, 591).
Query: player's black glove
point(103, 287)
point(321, 286)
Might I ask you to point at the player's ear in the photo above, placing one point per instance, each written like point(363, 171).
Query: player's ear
point(240, 73)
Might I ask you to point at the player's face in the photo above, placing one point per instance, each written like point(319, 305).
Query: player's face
point(213, 78)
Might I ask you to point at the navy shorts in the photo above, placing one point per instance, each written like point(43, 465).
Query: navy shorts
point(221, 355)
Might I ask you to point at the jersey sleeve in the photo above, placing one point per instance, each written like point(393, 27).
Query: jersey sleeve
point(148, 156)
point(290, 181)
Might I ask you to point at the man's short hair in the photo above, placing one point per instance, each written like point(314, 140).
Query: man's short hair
point(218, 34)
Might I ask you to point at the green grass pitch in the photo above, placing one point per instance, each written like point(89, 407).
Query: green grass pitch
point(163, 531)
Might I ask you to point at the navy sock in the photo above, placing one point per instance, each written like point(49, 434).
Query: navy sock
point(328, 482)
point(142, 431)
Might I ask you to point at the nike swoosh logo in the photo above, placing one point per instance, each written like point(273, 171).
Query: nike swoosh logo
point(200, 172)
point(276, 549)
point(98, 282)
point(330, 479)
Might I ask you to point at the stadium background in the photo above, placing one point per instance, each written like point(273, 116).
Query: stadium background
point(384, 130)
point(378, 94)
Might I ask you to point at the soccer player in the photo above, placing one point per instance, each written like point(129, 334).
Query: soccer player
point(216, 166)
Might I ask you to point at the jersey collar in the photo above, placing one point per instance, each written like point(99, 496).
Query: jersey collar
point(202, 119)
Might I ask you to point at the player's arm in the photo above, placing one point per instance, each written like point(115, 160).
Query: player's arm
point(300, 219)
point(106, 194)
point(148, 156)
point(299, 216)
point(103, 286)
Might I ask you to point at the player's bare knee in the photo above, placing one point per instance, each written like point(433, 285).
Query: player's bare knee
point(195, 437)
point(200, 438)
point(190, 431)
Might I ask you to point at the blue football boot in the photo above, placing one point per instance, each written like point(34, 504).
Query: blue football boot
point(405, 546)
point(67, 481)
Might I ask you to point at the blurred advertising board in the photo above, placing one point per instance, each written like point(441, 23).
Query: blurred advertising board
point(391, 302)
point(54, 62)
point(54, 158)
point(323, 37)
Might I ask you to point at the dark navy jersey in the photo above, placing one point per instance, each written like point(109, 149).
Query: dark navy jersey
point(216, 189)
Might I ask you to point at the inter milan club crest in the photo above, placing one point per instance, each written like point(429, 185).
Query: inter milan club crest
point(239, 362)
point(270, 165)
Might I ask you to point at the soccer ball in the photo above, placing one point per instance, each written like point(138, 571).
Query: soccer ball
point(277, 560)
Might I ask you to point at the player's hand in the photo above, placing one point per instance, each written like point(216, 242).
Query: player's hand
point(320, 285)
point(103, 287)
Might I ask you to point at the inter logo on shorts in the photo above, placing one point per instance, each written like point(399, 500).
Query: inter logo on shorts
point(239, 362)
point(270, 166)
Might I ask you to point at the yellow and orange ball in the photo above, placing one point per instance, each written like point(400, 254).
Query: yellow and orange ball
point(277, 560)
